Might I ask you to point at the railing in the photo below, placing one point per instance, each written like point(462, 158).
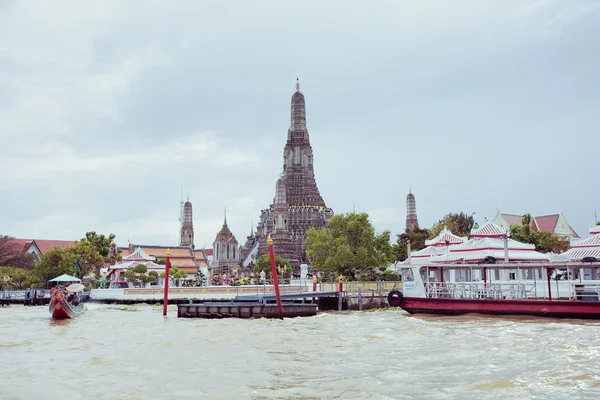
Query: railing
point(364, 286)
point(479, 290)
point(13, 294)
point(589, 292)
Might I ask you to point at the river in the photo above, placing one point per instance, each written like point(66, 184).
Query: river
point(133, 352)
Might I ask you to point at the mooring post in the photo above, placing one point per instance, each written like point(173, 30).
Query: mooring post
point(340, 293)
point(166, 291)
point(275, 279)
point(359, 299)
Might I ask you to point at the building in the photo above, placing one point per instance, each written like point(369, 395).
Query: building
point(586, 249)
point(37, 247)
point(226, 255)
point(186, 237)
point(554, 223)
point(412, 222)
point(298, 205)
point(183, 257)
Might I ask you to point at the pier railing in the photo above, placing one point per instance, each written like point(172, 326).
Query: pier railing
point(480, 290)
point(366, 287)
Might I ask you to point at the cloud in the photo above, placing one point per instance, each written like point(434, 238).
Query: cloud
point(109, 111)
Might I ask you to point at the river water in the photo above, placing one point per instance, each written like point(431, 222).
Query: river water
point(115, 352)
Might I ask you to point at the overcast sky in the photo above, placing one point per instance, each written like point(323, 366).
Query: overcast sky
point(109, 109)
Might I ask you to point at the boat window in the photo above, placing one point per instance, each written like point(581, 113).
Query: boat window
point(407, 275)
point(463, 275)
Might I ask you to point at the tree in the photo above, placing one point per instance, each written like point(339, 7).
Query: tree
point(349, 246)
point(417, 242)
point(105, 246)
point(60, 261)
point(19, 278)
point(264, 263)
point(12, 255)
point(460, 224)
point(598, 223)
point(544, 242)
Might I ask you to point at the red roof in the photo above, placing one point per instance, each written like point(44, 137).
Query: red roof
point(513, 219)
point(546, 223)
point(45, 245)
point(208, 252)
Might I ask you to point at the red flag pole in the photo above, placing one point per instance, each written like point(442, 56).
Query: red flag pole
point(275, 278)
point(166, 284)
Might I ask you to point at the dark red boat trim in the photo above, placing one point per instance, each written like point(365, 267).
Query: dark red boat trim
point(544, 308)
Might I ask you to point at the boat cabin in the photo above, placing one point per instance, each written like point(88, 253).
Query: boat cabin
point(565, 281)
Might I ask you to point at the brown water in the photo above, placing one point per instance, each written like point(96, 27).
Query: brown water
point(114, 352)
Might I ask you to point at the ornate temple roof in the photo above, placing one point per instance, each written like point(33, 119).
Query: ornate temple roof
point(588, 247)
point(445, 236)
point(225, 235)
point(139, 255)
point(490, 229)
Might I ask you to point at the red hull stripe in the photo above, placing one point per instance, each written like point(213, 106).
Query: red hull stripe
point(557, 309)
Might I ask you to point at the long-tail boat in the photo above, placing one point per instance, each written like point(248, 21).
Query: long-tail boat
point(64, 301)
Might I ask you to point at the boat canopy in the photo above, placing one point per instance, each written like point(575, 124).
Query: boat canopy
point(65, 278)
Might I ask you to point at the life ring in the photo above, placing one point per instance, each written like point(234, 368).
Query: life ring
point(395, 298)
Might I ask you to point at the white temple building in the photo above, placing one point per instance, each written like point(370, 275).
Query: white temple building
point(585, 248)
point(133, 259)
point(490, 243)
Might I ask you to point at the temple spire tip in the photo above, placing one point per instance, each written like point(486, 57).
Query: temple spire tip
point(297, 84)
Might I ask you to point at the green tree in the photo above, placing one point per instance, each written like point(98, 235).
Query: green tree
point(460, 224)
point(598, 223)
point(105, 245)
point(417, 242)
point(349, 246)
point(60, 261)
point(264, 264)
point(19, 278)
point(54, 263)
point(12, 255)
point(544, 242)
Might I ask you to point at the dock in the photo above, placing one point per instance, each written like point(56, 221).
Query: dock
point(256, 306)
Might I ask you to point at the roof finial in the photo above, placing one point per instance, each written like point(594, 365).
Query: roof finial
point(225, 223)
point(409, 191)
point(297, 84)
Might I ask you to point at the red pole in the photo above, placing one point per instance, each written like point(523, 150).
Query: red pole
point(548, 271)
point(167, 267)
point(275, 279)
point(341, 288)
point(314, 283)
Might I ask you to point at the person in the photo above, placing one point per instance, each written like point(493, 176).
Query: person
point(34, 297)
point(27, 297)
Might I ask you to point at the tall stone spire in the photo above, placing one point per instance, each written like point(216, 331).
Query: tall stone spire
point(412, 223)
point(187, 225)
point(297, 205)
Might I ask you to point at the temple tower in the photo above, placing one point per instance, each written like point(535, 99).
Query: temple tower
point(298, 205)
point(187, 225)
point(225, 251)
point(412, 223)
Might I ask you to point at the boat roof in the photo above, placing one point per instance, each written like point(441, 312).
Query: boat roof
point(514, 265)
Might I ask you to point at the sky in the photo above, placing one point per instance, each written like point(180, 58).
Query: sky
point(109, 111)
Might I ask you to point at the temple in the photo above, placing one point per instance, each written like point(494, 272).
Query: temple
point(412, 222)
point(226, 256)
point(554, 223)
point(297, 205)
point(187, 225)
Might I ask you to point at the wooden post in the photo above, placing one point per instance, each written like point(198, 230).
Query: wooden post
point(340, 293)
point(166, 284)
point(275, 277)
point(359, 299)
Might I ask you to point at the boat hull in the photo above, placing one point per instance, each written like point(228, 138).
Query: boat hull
point(60, 308)
point(540, 308)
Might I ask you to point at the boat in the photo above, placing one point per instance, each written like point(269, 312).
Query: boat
point(547, 289)
point(64, 301)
